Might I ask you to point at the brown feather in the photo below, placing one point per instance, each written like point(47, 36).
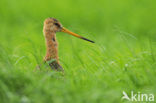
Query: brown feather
point(50, 30)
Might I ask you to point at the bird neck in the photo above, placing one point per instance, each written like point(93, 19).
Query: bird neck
point(51, 46)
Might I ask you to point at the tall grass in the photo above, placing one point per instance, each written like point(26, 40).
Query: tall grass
point(123, 57)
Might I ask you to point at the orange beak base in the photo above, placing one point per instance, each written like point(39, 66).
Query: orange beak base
point(76, 35)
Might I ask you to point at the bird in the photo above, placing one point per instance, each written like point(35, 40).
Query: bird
point(50, 28)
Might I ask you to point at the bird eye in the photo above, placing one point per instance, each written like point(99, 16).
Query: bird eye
point(57, 24)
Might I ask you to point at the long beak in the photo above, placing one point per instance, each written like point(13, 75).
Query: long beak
point(76, 35)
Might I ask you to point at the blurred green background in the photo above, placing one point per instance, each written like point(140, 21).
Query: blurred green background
point(123, 57)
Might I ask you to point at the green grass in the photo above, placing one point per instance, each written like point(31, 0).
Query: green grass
point(122, 59)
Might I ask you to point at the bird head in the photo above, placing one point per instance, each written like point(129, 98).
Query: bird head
point(53, 25)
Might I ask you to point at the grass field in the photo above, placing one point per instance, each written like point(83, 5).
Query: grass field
point(123, 57)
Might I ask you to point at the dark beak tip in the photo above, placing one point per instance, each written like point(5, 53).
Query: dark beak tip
point(87, 40)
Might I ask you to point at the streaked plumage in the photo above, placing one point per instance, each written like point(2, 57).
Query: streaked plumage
point(51, 26)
